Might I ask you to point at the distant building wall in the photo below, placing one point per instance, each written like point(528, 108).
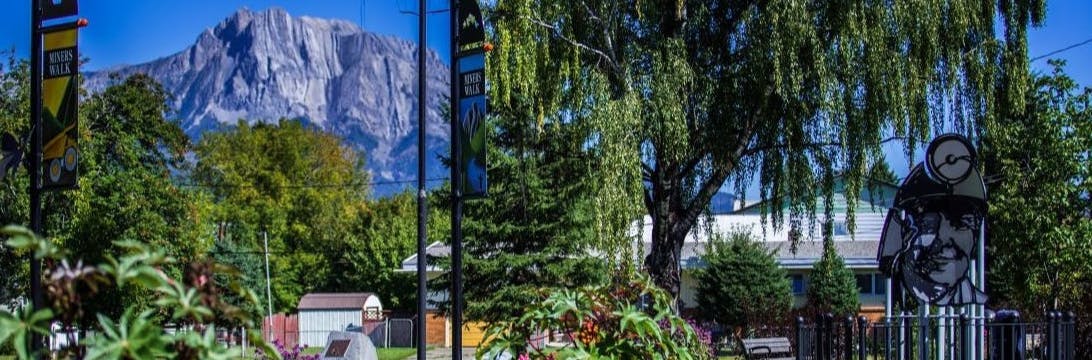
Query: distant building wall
point(316, 325)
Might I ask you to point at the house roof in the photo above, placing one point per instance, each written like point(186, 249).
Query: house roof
point(334, 301)
point(874, 193)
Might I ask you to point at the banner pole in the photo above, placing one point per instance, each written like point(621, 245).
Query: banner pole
point(35, 161)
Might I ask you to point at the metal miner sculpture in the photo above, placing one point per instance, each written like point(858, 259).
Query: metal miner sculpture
point(932, 232)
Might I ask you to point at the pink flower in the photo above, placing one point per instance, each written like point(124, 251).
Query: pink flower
point(524, 357)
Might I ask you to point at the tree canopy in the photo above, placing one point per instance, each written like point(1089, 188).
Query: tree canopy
point(1040, 216)
point(687, 96)
point(300, 187)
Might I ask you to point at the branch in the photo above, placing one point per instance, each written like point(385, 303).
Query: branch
point(557, 32)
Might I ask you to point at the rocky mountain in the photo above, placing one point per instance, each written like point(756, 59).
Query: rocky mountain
point(263, 66)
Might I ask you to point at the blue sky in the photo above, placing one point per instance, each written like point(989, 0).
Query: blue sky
point(131, 32)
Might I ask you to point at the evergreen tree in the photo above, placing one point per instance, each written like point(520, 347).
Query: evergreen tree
point(832, 288)
point(535, 228)
point(741, 285)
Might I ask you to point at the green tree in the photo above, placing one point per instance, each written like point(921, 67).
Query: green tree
point(741, 284)
point(687, 96)
point(14, 112)
point(1040, 216)
point(388, 235)
point(535, 229)
point(832, 287)
point(300, 187)
point(128, 148)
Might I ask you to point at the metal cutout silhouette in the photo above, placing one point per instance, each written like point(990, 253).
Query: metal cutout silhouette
point(931, 233)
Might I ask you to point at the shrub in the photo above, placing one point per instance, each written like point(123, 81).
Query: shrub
point(833, 288)
point(627, 319)
point(193, 302)
point(741, 285)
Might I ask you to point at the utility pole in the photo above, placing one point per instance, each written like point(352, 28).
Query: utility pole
point(456, 196)
point(268, 291)
point(35, 160)
point(422, 209)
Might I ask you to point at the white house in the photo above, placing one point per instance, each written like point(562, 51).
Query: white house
point(321, 313)
point(858, 249)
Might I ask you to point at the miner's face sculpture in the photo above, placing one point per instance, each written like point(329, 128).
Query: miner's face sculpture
point(931, 234)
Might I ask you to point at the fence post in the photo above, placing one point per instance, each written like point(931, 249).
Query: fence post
point(964, 330)
point(800, 348)
point(862, 338)
point(1071, 335)
point(847, 329)
point(1051, 349)
point(908, 329)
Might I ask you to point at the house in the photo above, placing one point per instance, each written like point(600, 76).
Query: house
point(858, 249)
point(321, 313)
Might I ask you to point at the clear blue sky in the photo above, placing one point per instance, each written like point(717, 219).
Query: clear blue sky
point(132, 32)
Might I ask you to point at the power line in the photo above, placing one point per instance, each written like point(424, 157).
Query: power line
point(1067, 48)
point(311, 186)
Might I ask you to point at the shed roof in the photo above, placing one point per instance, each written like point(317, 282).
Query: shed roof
point(334, 301)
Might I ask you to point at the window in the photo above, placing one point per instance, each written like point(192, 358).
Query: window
point(840, 228)
point(864, 283)
point(871, 284)
point(798, 286)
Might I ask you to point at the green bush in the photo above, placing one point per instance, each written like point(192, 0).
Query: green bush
point(741, 284)
point(833, 288)
point(628, 319)
point(194, 301)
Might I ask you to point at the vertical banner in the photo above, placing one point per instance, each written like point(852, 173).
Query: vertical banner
point(53, 9)
point(470, 64)
point(60, 66)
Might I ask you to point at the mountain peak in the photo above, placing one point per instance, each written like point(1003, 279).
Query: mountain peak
point(267, 65)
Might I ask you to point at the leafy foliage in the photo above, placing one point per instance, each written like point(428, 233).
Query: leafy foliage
point(832, 288)
point(627, 319)
point(742, 285)
point(135, 334)
point(687, 96)
point(1040, 216)
point(301, 187)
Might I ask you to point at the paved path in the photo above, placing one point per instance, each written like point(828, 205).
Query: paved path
point(443, 353)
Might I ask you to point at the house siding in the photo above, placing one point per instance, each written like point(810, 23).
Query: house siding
point(316, 325)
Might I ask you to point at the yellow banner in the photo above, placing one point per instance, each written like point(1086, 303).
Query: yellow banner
point(60, 65)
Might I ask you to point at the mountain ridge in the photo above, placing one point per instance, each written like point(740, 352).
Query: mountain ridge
point(268, 65)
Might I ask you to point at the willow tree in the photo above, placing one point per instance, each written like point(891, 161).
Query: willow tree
point(688, 96)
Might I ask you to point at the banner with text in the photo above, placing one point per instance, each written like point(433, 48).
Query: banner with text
point(471, 100)
point(60, 154)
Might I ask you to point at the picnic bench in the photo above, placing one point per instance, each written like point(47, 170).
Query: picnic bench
point(777, 348)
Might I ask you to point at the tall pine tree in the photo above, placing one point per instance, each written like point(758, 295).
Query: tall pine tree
point(535, 229)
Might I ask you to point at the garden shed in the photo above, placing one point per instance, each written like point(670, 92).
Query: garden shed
point(321, 313)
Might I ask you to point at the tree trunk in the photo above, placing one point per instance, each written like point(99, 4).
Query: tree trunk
point(662, 262)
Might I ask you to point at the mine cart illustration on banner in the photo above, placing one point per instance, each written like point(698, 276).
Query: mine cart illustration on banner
point(932, 233)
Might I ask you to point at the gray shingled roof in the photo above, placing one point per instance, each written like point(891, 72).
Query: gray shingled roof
point(328, 301)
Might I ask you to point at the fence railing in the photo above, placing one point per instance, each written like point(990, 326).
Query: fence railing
point(1005, 336)
point(390, 332)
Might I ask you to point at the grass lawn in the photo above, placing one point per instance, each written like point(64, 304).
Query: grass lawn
point(395, 353)
point(384, 353)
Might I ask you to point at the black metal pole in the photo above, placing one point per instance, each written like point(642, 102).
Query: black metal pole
point(35, 160)
point(422, 209)
point(456, 196)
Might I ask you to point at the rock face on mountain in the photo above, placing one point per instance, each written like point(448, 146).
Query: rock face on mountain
point(263, 66)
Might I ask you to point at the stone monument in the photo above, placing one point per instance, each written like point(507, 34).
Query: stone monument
point(343, 345)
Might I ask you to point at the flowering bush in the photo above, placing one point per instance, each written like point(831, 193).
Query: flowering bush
point(627, 319)
point(193, 302)
point(286, 354)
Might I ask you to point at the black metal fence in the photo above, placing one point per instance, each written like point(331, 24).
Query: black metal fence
point(1004, 336)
